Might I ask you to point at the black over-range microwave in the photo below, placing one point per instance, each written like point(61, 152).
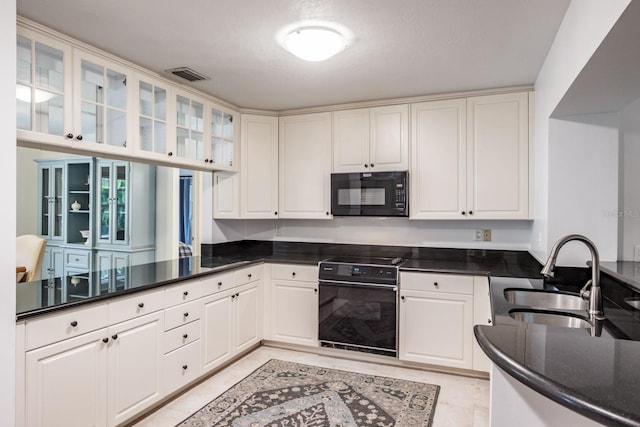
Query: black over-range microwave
point(369, 194)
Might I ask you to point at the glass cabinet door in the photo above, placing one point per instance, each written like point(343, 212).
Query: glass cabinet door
point(222, 134)
point(190, 128)
point(51, 202)
point(102, 104)
point(152, 118)
point(41, 102)
point(113, 213)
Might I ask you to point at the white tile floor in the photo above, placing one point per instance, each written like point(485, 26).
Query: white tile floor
point(462, 401)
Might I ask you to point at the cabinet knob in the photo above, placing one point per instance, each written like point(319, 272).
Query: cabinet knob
point(464, 213)
point(186, 314)
point(326, 213)
point(293, 274)
point(74, 324)
point(402, 297)
point(114, 337)
point(435, 284)
point(237, 295)
point(249, 275)
point(185, 293)
point(275, 213)
point(141, 305)
point(105, 340)
point(233, 296)
point(315, 291)
point(489, 321)
point(219, 284)
point(79, 137)
point(170, 153)
point(366, 165)
point(69, 135)
point(372, 165)
point(470, 212)
point(185, 367)
point(185, 336)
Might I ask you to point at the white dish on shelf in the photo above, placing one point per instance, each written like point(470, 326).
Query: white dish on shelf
point(85, 235)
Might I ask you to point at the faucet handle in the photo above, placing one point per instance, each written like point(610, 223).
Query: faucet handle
point(585, 292)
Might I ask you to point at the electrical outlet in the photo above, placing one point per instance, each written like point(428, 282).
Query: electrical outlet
point(486, 234)
point(478, 235)
point(636, 253)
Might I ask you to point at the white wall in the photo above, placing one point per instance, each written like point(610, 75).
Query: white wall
point(629, 212)
point(583, 28)
point(8, 228)
point(583, 177)
point(381, 231)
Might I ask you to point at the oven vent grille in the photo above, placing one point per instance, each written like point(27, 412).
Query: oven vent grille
point(187, 74)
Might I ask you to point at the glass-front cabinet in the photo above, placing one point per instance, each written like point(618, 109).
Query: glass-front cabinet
point(222, 137)
point(43, 88)
point(151, 120)
point(51, 191)
point(113, 203)
point(101, 102)
point(190, 128)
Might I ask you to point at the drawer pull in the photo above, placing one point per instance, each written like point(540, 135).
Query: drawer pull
point(249, 275)
point(141, 305)
point(186, 314)
point(435, 284)
point(74, 324)
point(105, 340)
point(185, 367)
point(185, 293)
point(114, 337)
point(185, 336)
point(219, 284)
point(77, 259)
point(315, 291)
point(293, 274)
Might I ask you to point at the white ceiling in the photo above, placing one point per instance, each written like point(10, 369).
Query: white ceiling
point(400, 47)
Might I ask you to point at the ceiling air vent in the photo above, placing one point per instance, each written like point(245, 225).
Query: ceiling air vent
point(187, 74)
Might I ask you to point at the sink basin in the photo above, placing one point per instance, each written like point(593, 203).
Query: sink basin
point(566, 320)
point(545, 299)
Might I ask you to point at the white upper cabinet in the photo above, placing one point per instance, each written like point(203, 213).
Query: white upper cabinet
point(259, 166)
point(470, 158)
point(305, 166)
point(102, 99)
point(155, 137)
point(226, 195)
point(438, 160)
point(498, 156)
point(43, 90)
point(371, 139)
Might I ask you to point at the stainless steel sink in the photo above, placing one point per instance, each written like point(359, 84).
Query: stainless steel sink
point(565, 320)
point(545, 299)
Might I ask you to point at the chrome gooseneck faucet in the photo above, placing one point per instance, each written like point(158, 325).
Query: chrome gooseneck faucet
point(591, 289)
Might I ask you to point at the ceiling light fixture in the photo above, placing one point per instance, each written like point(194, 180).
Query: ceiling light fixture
point(314, 43)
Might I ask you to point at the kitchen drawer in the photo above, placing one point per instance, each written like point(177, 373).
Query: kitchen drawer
point(182, 366)
point(220, 282)
point(48, 329)
point(302, 273)
point(182, 314)
point(182, 335)
point(185, 292)
point(249, 274)
point(142, 303)
point(77, 259)
point(449, 283)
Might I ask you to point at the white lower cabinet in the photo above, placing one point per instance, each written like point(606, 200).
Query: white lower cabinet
point(437, 318)
point(100, 372)
point(134, 366)
point(73, 370)
point(230, 324)
point(293, 305)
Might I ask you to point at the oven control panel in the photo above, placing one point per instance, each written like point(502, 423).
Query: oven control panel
point(363, 273)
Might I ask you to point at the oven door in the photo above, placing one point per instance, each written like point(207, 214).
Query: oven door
point(369, 194)
point(362, 317)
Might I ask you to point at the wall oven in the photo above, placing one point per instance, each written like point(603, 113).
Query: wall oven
point(369, 194)
point(358, 305)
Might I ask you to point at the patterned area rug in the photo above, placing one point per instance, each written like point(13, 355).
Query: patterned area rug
point(288, 394)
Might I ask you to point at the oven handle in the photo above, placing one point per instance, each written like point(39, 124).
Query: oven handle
point(359, 285)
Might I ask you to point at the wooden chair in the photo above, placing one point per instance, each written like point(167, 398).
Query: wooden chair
point(29, 254)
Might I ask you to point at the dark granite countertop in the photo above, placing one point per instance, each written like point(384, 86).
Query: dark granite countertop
point(596, 376)
point(42, 297)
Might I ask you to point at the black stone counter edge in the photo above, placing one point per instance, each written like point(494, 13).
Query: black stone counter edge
point(131, 291)
point(558, 393)
point(631, 282)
